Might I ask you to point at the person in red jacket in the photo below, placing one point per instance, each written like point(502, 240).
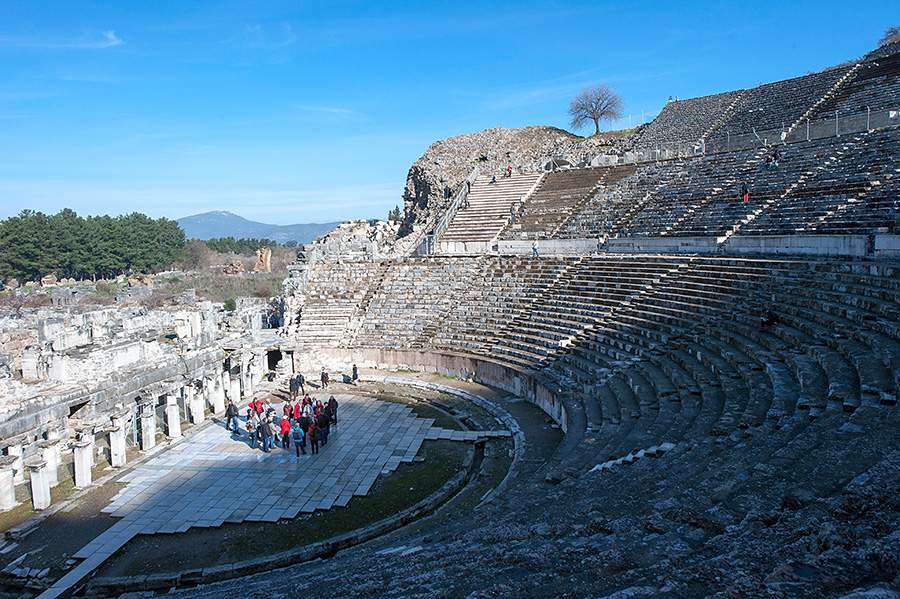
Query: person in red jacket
point(296, 410)
point(285, 433)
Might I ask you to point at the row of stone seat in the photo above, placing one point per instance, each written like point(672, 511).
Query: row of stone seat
point(506, 290)
point(414, 298)
point(855, 193)
point(778, 105)
point(559, 194)
point(332, 294)
point(685, 121)
point(726, 371)
point(833, 185)
point(664, 348)
point(875, 86)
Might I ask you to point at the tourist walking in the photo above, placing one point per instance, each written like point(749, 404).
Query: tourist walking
point(324, 378)
point(534, 249)
point(298, 436)
point(294, 387)
point(354, 374)
point(508, 170)
point(313, 435)
point(285, 433)
point(745, 192)
point(301, 383)
point(231, 417)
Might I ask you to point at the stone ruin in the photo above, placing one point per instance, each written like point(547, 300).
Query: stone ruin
point(69, 373)
point(263, 260)
point(234, 268)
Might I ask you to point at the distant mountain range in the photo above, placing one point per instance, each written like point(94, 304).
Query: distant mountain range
point(221, 223)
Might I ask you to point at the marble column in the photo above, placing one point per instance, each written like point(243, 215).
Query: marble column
point(218, 394)
point(90, 437)
point(50, 458)
point(117, 446)
point(83, 455)
point(195, 401)
point(225, 382)
point(40, 483)
point(208, 394)
point(148, 428)
point(246, 384)
point(235, 385)
point(7, 483)
point(173, 417)
point(18, 465)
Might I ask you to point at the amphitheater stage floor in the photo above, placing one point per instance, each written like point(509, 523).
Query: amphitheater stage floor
point(213, 477)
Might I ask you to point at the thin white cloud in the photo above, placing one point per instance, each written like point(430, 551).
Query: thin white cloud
point(264, 37)
point(335, 110)
point(107, 39)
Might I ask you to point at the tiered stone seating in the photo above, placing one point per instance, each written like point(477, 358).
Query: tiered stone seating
point(332, 297)
point(875, 85)
point(414, 299)
point(623, 193)
point(832, 185)
point(724, 209)
point(510, 288)
point(686, 120)
point(778, 105)
point(488, 207)
point(691, 188)
point(559, 194)
point(855, 193)
point(582, 295)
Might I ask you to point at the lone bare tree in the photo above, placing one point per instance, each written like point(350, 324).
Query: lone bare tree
point(595, 104)
point(891, 34)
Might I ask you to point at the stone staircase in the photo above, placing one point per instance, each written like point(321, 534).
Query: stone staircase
point(838, 85)
point(726, 114)
point(488, 208)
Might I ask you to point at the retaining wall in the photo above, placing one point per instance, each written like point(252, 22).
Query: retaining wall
point(887, 246)
point(487, 372)
point(819, 245)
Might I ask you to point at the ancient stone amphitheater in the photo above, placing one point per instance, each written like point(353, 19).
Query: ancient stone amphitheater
point(701, 390)
point(725, 373)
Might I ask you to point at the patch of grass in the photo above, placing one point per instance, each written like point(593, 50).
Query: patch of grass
point(409, 484)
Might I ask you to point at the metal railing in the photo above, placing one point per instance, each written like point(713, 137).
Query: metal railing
point(722, 140)
point(429, 241)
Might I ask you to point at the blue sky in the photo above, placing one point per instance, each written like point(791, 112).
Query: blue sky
point(313, 111)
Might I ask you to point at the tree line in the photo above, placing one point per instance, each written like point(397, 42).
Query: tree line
point(34, 244)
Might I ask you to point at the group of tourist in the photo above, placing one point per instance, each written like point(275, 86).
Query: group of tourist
point(302, 421)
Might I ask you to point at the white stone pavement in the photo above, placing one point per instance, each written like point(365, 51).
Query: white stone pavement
point(213, 477)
